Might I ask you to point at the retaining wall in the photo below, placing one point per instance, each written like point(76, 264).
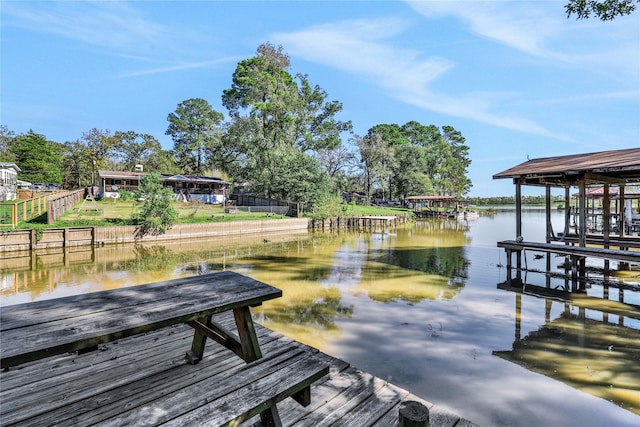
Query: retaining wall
point(19, 240)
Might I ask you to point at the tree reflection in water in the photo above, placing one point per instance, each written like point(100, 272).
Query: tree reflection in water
point(417, 306)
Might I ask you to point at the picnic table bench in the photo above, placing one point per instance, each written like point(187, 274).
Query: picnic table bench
point(82, 323)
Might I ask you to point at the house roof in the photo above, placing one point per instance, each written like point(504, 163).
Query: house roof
point(615, 167)
point(164, 177)
point(432, 198)
point(10, 165)
point(120, 174)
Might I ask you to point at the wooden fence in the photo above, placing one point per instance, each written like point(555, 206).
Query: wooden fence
point(54, 205)
point(12, 213)
point(294, 209)
point(58, 205)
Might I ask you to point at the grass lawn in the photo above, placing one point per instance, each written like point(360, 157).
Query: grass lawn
point(118, 212)
point(359, 210)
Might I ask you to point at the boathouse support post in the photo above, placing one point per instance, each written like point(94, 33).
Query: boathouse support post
point(567, 210)
point(518, 317)
point(622, 216)
point(413, 414)
point(518, 222)
point(582, 210)
point(606, 222)
point(547, 199)
point(606, 215)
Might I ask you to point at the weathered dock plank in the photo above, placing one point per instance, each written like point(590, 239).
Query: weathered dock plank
point(125, 381)
point(36, 330)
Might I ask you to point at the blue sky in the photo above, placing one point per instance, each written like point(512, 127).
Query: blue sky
point(517, 78)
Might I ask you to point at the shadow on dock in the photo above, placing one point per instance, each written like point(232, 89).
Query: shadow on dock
point(59, 386)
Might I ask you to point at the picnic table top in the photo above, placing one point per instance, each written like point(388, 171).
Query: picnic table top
point(39, 329)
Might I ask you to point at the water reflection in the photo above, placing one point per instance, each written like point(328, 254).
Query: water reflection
point(315, 279)
point(418, 307)
point(591, 343)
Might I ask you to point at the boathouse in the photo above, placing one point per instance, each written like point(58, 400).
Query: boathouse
point(434, 206)
point(614, 175)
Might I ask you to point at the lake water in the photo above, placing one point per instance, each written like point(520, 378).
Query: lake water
point(424, 307)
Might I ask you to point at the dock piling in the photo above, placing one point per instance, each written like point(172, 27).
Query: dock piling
point(413, 414)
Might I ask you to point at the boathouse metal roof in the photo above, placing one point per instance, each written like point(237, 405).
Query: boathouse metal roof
point(614, 192)
point(432, 198)
point(612, 167)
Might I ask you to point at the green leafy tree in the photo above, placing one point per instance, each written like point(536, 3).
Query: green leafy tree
point(277, 125)
point(195, 128)
point(455, 162)
point(331, 205)
point(6, 141)
point(292, 175)
point(99, 147)
point(156, 214)
point(315, 118)
point(375, 159)
point(338, 163)
point(392, 168)
point(415, 159)
point(38, 158)
point(606, 10)
point(76, 166)
point(411, 172)
point(133, 148)
point(163, 161)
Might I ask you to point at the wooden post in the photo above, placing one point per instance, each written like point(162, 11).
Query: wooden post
point(518, 222)
point(413, 414)
point(622, 216)
point(518, 318)
point(606, 215)
point(567, 211)
point(606, 222)
point(547, 200)
point(33, 241)
point(582, 229)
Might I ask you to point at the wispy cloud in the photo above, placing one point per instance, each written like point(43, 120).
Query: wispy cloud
point(180, 67)
point(521, 25)
point(363, 48)
point(355, 46)
point(115, 28)
point(631, 95)
point(113, 24)
point(541, 30)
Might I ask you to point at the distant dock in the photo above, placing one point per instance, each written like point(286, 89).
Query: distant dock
point(360, 223)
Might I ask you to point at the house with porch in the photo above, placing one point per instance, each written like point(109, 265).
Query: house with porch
point(187, 188)
point(8, 181)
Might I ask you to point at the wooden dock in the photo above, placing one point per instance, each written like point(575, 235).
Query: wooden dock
point(362, 223)
point(94, 387)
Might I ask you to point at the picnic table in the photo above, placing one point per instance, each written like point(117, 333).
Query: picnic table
point(81, 323)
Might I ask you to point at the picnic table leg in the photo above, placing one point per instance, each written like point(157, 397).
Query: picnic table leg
point(247, 347)
point(247, 333)
point(271, 417)
point(194, 355)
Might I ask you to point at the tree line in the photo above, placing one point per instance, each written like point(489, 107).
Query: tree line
point(281, 139)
